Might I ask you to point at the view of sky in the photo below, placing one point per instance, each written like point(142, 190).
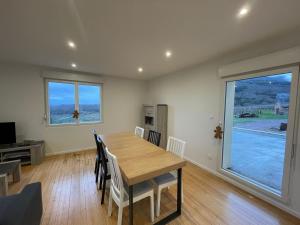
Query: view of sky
point(64, 93)
point(89, 95)
point(284, 76)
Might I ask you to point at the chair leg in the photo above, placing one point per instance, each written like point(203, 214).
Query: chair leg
point(181, 192)
point(152, 207)
point(110, 203)
point(120, 214)
point(158, 202)
point(95, 166)
point(3, 185)
point(100, 183)
point(103, 190)
point(17, 174)
point(97, 172)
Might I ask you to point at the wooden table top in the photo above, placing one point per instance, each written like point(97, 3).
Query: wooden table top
point(139, 160)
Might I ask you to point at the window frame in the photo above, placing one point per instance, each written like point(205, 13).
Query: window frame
point(76, 96)
point(255, 187)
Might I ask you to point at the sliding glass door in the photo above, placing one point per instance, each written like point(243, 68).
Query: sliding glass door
point(259, 120)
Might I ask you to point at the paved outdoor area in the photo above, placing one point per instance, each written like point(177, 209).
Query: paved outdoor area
point(258, 156)
point(263, 125)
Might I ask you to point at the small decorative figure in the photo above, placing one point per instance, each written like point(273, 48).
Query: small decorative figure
point(218, 132)
point(75, 114)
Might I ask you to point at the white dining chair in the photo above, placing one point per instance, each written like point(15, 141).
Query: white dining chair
point(119, 190)
point(139, 131)
point(175, 146)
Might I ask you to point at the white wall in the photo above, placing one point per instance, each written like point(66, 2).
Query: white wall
point(22, 101)
point(194, 98)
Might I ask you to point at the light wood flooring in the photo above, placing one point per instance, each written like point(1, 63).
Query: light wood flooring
point(70, 197)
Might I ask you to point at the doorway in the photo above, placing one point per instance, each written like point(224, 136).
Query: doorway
point(259, 124)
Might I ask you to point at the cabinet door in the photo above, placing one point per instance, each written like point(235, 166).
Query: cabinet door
point(162, 124)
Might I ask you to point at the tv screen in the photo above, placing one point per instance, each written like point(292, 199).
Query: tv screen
point(7, 133)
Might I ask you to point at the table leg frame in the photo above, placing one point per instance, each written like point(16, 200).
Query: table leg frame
point(177, 213)
point(130, 216)
point(170, 217)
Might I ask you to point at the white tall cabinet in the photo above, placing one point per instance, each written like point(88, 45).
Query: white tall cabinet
point(156, 118)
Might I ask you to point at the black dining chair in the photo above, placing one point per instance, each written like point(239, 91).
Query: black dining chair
point(97, 160)
point(104, 173)
point(154, 137)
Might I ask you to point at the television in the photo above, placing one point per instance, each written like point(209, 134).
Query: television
point(7, 133)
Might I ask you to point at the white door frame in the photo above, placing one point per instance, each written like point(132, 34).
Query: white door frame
point(291, 136)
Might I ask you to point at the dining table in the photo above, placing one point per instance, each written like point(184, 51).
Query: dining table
point(140, 160)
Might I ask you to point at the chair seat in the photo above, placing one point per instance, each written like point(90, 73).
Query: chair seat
point(97, 158)
point(8, 167)
point(138, 189)
point(108, 169)
point(165, 178)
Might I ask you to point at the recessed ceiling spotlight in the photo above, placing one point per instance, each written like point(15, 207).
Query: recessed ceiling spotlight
point(243, 12)
point(168, 54)
point(73, 65)
point(140, 69)
point(71, 44)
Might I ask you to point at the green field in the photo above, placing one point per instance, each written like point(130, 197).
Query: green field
point(264, 115)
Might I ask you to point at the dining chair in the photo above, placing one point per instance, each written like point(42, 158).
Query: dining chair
point(139, 131)
point(104, 170)
point(177, 147)
point(119, 190)
point(97, 160)
point(154, 137)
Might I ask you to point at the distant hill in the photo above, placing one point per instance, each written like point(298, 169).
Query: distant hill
point(69, 109)
point(262, 91)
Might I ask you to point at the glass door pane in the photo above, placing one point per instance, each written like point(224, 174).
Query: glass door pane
point(255, 132)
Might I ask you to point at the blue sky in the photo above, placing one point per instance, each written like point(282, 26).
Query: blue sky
point(64, 93)
point(284, 76)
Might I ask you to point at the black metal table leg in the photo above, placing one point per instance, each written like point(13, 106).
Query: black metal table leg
point(179, 190)
point(177, 213)
point(130, 205)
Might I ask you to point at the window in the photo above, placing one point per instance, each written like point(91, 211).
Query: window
point(71, 102)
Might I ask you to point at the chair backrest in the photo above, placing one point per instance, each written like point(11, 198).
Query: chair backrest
point(102, 156)
point(95, 135)
point(98, 142)
point(99, 145)
point(139, 131)
point(116, 178)
point(176, 146)
point(154, 137)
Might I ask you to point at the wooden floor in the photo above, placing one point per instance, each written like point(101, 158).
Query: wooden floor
point(70, 197)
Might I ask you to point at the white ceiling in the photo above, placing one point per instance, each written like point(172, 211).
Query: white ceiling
point(115, 37)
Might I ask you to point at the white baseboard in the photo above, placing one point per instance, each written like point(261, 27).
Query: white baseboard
point(247, 189)
point(201, 166)
point(69, 151)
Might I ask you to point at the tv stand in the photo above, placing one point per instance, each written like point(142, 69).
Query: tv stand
point(29, 152)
